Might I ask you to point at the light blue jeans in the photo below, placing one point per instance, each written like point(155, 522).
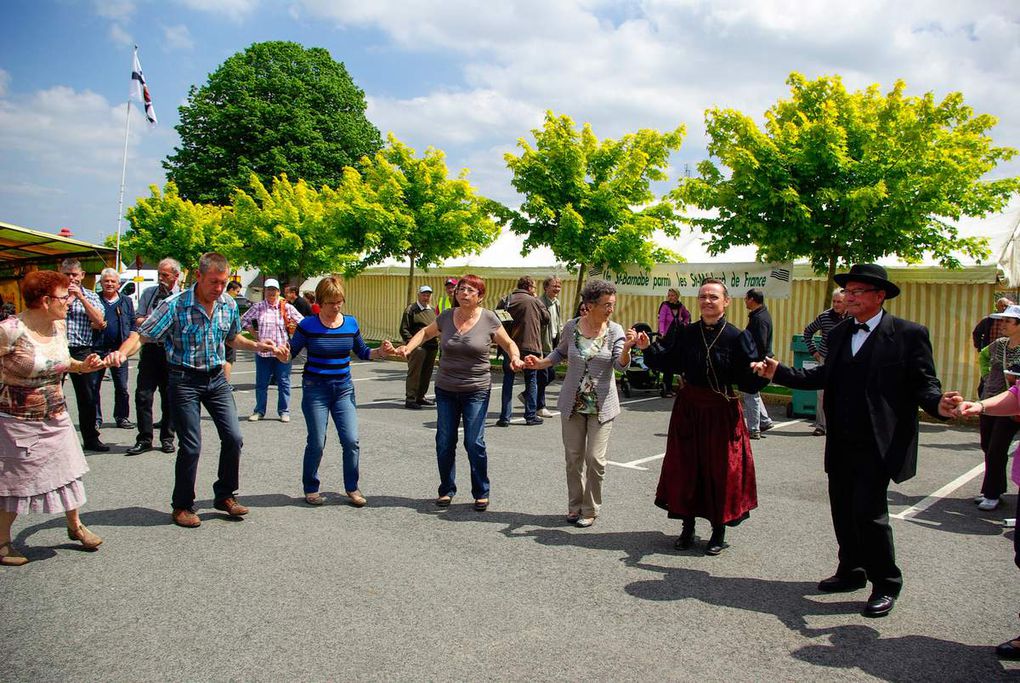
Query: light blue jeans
point(320, 398)
point(755, 413)
point(265, 368)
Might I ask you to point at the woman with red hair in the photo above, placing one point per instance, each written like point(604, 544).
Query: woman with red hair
point(463, 384)
point(41, 460)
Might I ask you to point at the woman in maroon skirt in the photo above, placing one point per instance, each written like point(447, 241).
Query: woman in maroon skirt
point(708, 470)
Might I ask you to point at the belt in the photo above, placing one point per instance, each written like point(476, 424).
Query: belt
point(211, 372)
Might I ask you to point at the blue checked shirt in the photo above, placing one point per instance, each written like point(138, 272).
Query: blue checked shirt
point(79, 327)
point(193, 339)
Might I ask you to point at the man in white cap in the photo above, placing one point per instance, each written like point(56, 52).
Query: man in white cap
point(419, 315)
point(275, 320)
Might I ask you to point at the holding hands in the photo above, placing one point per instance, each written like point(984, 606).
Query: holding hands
point(765, 368)
point(92, 363)
point(516, 364)
point(115, 359)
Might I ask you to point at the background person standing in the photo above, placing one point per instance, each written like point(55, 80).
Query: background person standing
point(420, 362)
point(153, 370)
point(529, 315)
point(825, 321)
point(119, 313)
point(759, 326)
point(276, 322)
point(84, 317)
point(293, 296)
point(551, 288)
point(671, 312)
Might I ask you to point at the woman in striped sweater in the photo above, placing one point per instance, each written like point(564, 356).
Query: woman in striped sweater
point(326, 386)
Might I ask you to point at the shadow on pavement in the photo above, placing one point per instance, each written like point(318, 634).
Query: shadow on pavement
point(904, 658)
point(956, 515)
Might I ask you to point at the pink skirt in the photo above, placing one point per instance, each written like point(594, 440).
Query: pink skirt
point(64, 499)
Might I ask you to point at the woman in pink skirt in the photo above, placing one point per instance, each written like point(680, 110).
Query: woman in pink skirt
point(41, 461)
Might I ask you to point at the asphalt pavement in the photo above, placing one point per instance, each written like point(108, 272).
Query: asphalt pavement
point(401, 590)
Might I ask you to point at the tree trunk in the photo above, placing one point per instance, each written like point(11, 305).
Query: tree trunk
point(830, 282)
point(582, 270)
point(410, 280)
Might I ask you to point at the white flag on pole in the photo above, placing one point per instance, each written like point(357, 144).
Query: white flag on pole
point(141, 90)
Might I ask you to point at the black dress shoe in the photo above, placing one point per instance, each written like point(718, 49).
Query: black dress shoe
point(843, 584)
point(412, 405)
point(125, 424)
point(502, 423)
point(97, 446)
point(1009, 649)
point(167, 446)
point(139, 448)
point(426, 402)
point(879, 605)
point(713, 548)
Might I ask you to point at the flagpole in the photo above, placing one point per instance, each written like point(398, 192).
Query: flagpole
point(123, 170)
point(123, 175)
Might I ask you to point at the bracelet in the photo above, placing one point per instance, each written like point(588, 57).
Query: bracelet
point(981, 403)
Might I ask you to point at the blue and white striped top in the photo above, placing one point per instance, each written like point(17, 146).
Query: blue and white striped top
point(329, 349)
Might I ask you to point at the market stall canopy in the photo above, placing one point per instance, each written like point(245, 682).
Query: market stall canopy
point(21, 248)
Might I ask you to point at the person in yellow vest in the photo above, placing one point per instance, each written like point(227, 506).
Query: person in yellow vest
point(447, 300)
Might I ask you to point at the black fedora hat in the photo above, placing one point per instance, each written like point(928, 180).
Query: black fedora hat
point(871, 273)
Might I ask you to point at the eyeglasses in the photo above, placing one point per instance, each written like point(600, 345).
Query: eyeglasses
point(466, 289)
point(64, 298)
point(858, 292)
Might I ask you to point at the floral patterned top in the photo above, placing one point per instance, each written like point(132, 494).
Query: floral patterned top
point(31, 371)
point(586, 398)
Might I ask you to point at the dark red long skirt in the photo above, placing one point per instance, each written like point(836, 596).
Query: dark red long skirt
point(708, 470)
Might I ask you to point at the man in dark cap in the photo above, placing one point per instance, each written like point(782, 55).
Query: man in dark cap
point(879, 370)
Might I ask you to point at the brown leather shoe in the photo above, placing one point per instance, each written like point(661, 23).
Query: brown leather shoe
point(88, 540)
point(357, 500)
point(185, 518)
point(231, 507)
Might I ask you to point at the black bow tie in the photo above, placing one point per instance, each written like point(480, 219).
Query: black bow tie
point(861, 327)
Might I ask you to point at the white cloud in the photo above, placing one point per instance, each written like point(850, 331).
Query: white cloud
point(235, 10)
point(118, 10)
point(177, 37)
point(120, 36)
point(5, 79)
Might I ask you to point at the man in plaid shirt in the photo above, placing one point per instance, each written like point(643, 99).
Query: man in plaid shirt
point(84, 316)
point(195, 326)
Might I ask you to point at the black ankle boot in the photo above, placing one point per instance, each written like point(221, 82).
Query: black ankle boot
point(686, 539)
point(717, 542)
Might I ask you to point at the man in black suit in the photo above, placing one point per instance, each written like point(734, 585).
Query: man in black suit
point(878, 372)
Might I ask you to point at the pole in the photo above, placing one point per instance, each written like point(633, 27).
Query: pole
point(123, 175)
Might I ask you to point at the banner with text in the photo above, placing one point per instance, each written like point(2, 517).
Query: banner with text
point(774, 278)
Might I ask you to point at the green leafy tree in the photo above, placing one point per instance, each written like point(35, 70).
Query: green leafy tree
point(275, 108)
point(840, 177)
point(289, 229)
point(591, 201)
point(164, 224)
point(404, 206)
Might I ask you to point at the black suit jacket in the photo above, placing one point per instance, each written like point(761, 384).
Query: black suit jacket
point(901, 379)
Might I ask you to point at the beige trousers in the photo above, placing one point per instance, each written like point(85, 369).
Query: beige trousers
point(584, 445)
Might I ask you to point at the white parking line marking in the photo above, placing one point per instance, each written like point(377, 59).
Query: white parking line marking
point(943, 492)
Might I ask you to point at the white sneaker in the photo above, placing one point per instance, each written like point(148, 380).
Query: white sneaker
point(254, 417)
point(988, 504)
point(545, 412)
point(285, 418)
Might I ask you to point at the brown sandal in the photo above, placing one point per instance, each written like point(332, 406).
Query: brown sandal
point(13, 558)
point(88, 540)
point(314, 499)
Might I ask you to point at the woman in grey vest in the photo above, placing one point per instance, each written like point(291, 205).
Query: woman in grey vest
point(593, 347)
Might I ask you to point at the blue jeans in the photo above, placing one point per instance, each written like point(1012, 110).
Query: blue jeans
point(450, 407)
point(755, 413)
point(189, 391)
point(320, 398)
point(530, 391)
point(265, 368)
point(121, 396)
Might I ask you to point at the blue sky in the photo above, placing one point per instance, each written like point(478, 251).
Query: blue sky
point(466, 77)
